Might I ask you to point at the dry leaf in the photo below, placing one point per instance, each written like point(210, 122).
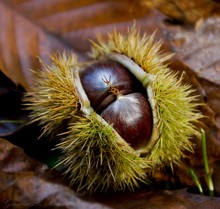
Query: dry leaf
point(21, 41)
point(31, 29)
point(199, 49)
point(187, 12)
point(26, 183)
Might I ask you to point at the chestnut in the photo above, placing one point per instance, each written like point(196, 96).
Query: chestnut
point(117, 118)
point(120, 99)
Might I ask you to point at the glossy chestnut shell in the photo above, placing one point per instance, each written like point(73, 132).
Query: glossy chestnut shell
point(120, 99)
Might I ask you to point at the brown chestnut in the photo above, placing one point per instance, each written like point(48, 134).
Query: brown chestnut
point(120, 99)
point(126, 113)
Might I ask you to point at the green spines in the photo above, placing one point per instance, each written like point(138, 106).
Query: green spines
point(176, 109)
point(96, 159)
point(94, 155)
point(178, 113)
point(142, 49)
point(53, 99)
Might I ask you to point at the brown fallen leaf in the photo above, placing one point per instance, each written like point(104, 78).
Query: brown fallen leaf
point(21, 41)
point(36, 29)
point(59, 17)
point(198, 47)
point(27, 183)
point(187, 12)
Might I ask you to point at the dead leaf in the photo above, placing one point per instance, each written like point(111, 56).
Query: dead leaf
point(168, 199)
point(72, 21)
point(35, 29)
point(21, 41)
point(187, 12)
point(27, 183)
point(199, 48)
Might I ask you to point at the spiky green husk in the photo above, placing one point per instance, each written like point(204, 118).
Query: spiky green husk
point(178, 114)
point(142, 49)
point(97, 160)
point(176, 107)
point(94, 156)
point(53, 100)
